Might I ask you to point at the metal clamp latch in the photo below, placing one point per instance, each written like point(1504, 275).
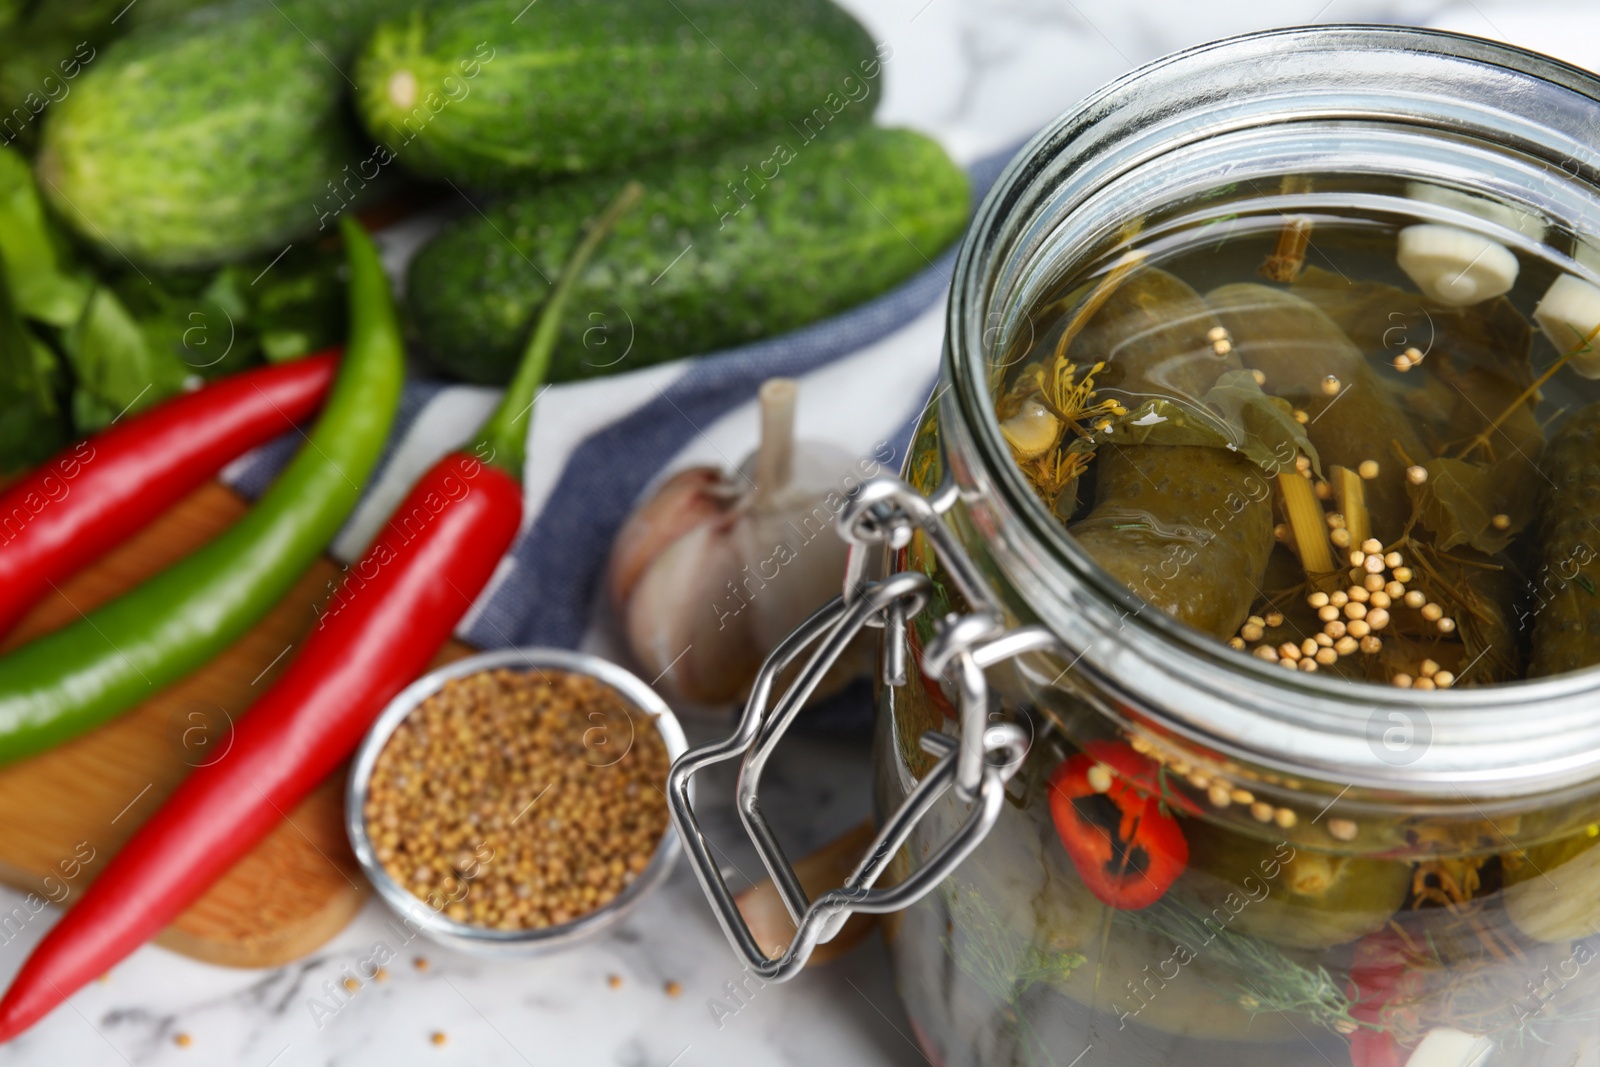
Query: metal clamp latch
point(977, 763)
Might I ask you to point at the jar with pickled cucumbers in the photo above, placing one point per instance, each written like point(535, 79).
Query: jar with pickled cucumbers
point(1273, 395)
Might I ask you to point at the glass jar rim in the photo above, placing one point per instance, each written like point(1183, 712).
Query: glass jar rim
point(1515, 739)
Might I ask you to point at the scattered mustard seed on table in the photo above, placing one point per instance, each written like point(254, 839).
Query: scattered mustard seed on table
point(437, 1037)
point(674, 989)
point(518, 799)
point(614, 981)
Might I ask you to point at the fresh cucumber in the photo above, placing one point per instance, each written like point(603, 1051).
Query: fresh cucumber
point(213, 135)
point(760, 238)
point(467, 93)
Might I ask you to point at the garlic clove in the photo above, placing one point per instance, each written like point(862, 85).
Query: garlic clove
point(1032, 430)
point(688, 498)
point(795, 563)
point(688, 619)
point(1447, 1047)
point(1569, 315)
point(1498, 213)
point(1455, 267)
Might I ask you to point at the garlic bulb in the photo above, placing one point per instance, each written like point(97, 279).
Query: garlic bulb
point(717, 568)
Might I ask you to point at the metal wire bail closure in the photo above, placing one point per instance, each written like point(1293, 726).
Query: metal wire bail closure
point(978, 763)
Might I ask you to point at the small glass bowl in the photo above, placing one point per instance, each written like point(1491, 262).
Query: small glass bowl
point(481, 940)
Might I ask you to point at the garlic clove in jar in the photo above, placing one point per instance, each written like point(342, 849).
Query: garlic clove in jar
point(1032, 430)
point(1569, 315)
point(717, 568)
point(1444, 1046)
point(1455, 267)
point(1519, 219)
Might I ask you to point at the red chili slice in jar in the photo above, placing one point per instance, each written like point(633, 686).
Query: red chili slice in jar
point(1387, 976)
point(1126, 846)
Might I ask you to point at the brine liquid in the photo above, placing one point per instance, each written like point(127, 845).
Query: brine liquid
point(1207, 431)
point(1160, 402)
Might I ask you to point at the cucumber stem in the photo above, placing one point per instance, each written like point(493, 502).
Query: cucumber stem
point(503, 441)
point(1352, 497)
point(1306, 525)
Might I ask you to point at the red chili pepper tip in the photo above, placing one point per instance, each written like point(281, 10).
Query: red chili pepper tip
point(1107, 809)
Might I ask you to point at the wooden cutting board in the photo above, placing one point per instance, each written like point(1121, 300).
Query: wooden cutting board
point(64, 813)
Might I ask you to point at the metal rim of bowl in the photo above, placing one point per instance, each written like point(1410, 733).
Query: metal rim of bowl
point(478, 939)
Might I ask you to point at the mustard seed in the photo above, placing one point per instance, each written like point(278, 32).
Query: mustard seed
point(519, 800)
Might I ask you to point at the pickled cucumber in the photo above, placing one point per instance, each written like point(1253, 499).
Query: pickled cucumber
point(1290, 895)
point(1565, 598)
point(1187, 527)
point(1310, 362)
point(1553, 890)
point(1151, 334)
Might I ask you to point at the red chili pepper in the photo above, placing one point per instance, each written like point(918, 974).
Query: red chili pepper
point(392, 613)
point(1126, 846)
point(399, 605)
point(93, 496)
point(1386, 976)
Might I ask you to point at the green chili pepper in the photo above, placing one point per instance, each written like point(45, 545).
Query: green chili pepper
point(131, 648)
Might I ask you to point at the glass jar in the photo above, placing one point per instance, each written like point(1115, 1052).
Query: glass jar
point(1372, 875)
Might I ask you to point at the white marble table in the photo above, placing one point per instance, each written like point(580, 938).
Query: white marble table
point(979, 74)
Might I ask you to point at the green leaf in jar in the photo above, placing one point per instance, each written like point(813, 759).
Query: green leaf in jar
point(1386, 321)
point(1234, 414)
point(1459, 501)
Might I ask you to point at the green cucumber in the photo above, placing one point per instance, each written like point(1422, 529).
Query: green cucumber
point(467, 93)
point(211, 136)
point(761, 238)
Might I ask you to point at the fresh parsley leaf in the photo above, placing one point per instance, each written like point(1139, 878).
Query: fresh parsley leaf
point(32, 423)
point(116, 368)
point(42, 289)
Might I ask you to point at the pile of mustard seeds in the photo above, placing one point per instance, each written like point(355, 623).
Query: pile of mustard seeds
point(519, 799)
